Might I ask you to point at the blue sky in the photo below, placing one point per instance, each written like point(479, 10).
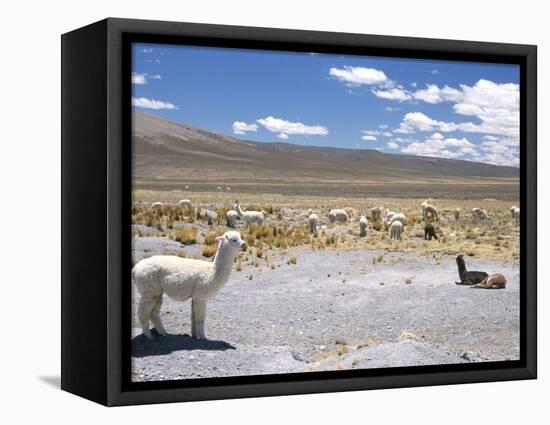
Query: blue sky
point(459, 110)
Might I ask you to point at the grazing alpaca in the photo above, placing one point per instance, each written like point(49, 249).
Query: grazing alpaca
point(376, 214)
point(313, 221)
point(184, 203)
point(512, 208)
point(430, 211)
point(395, 230)
point(467, 277)
point(182, 279)
point(398, 217)
point(338, 215)
point(480, 214)
point(494, 281)
point(231, 216)
point(363, 226)
point(457, 214)
point(157, 205)
point(352, 214)
point(429, 232)
point(515, 214)
point(249, 217)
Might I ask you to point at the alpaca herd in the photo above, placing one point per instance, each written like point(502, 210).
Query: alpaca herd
point(345, 215)
point(182, 279)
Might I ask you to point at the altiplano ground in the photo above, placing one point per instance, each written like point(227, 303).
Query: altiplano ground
point(297, 302)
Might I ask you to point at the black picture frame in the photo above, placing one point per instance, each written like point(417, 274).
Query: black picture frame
point(96, 183)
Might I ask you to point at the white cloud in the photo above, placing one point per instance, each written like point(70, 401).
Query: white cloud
point(240, 127)
point(143, 102)
point(438, 146)
point(357, 76)
point(391, 109)
point(383, 126)
point(433, 94)
point(435, 72)
point(154, 77)
point(414, 84)
point(369, 138)
point(282, 136)
point(138, 78)
point(392, 94)
point(278, 125)
point(147, 50)
point(495, 105)
point(418, 121)
point(392, 145)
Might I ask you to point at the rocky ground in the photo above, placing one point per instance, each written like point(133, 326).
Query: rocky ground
point(334, 309)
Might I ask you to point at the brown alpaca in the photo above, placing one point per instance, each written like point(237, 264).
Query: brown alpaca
point(493, 281)
point(429, 232)
point(351, 213)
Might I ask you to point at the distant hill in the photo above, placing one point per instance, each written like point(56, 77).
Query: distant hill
point(167, 151)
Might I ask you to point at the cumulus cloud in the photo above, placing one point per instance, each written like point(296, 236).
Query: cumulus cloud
point(138, 78)
point(433, 94)
point(282, 136)
point(392, 145)
point(143, 102)
point(278, 125)
point(393, 94)
point(439, 146)
point(357, 76)
point(414, 121)
point(369, 138)
point(240, 127)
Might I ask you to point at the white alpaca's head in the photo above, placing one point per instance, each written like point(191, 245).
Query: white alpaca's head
point(230, 240)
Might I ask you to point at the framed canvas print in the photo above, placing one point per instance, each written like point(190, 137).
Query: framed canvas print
point(252, 212)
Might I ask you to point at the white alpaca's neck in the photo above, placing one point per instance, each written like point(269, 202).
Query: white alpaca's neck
point(239, 211)
point(223, 263)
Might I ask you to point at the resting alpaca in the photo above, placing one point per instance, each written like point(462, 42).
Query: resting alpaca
point(182, 279)
point(466, 277)
point(429, 232)
point(494, 281)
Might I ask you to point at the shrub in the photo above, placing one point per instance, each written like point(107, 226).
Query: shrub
point(186, 236)
point(209, 251)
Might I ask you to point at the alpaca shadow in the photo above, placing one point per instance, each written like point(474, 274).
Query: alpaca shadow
point(162, 345)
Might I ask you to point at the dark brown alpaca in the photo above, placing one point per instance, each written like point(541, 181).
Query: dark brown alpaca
point(466, 277)
point(429, 232)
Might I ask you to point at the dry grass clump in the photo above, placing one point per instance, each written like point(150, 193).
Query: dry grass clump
point(186, 236)
point(209, 251)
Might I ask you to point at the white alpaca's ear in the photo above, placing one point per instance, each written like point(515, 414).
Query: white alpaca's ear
point(219, 240)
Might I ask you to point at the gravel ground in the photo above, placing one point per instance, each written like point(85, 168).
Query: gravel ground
point(331, 310)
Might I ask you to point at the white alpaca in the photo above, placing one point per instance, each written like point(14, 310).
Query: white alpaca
point(429, 210)
point(184, 203)
point(480, 214)
point(313, 221)
point(363, 225)
point(512, 208)
point(395, 230)
point(515, 214)
point(157, 205)
point(402, 218)
point(231, 216)
point(389, 216)
point(338, 216)
point(250, 217)
point(182, 279)
point(457, 213)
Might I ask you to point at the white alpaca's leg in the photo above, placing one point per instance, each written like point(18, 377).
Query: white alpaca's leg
point(145, 308)
point(198, 318)
point(155, 315)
